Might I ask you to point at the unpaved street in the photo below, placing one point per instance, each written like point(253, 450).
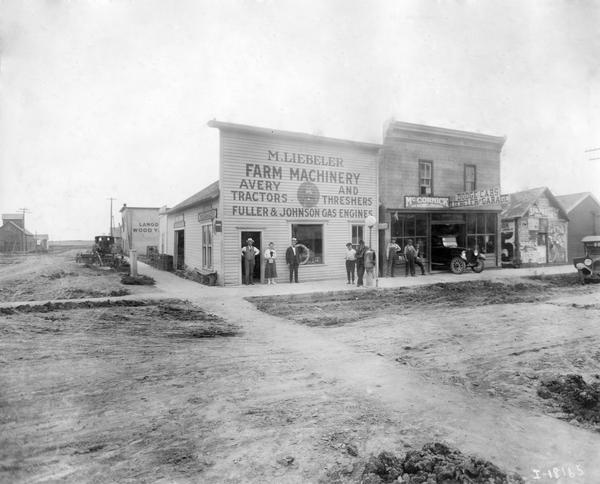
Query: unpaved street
point(222, 392)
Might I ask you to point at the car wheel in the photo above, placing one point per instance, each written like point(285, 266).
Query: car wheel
point(478, 267)
point(457, 265)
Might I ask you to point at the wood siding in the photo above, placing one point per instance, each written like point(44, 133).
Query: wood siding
point(241, 152)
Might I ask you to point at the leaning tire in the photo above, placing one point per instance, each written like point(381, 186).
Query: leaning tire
point(457, 265)
point(479, 266)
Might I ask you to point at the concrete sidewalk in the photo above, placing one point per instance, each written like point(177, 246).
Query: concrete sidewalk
point(335, 285)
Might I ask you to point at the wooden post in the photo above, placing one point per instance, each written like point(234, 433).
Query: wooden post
point(133, 263)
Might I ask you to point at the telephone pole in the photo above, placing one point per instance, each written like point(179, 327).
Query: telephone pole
point(110, 231)
point(23, 211)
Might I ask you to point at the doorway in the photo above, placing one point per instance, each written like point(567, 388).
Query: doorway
point(257, 238)
point(179, 250)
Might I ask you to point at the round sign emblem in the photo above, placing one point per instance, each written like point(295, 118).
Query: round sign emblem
point(308, 194)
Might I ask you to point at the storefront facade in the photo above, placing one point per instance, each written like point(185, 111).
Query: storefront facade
point(534, 229)
point(440, 182)
point(275, 185)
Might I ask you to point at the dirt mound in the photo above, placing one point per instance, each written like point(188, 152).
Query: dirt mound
point(59, 306)
point(60, 274)
point(341, 307)
point(139, 280)
point(436, 463)
point(576, 398)
point(558, 280)
point(197, 322)
point(182, 312)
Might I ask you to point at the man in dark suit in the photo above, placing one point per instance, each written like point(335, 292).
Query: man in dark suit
point(292, 258)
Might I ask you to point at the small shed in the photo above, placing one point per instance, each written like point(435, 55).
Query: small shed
point(14, 237)
point(534, 228)
point(583, 210)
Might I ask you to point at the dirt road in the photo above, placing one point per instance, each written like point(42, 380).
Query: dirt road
point(281, 401)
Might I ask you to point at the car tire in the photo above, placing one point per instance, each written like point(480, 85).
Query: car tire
point(479, 266)
point(457, 265)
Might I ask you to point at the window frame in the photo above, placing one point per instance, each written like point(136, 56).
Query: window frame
point(474, 181)
point(428, 163)
point(312, 251)
point(359, 228)
point(207, 248)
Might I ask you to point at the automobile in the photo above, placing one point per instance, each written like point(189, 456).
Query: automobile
point(446, 252)
point(588, 266)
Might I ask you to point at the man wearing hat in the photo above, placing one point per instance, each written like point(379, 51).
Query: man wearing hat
point(249, 252)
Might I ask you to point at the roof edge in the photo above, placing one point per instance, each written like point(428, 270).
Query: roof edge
point(289, 134)
point(436, 130)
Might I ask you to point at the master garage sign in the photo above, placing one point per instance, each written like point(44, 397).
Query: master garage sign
point(283, 186)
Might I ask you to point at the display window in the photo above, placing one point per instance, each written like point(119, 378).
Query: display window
point(410, 226)
point(311, 237)
point(481, 232)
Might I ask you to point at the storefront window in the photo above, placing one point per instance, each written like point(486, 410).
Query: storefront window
point(410, 226)
point(481, 232)
point(311, 236)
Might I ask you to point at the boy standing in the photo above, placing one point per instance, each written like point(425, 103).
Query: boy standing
point(350, 262)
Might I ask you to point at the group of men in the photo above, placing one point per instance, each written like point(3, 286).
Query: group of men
point(293, 256)
point(412, 255)
point(364, 260)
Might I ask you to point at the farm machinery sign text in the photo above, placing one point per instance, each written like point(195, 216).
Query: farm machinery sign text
point(262, 184)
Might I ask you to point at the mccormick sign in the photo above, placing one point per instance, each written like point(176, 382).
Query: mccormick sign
point(426, 202)
point(490, 196)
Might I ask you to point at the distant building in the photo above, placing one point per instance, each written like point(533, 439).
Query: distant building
point(583, 210)
point(41, 242)
point(139, 228)
point(14, 237)
point(534, 228)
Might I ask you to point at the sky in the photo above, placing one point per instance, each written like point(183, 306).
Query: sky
point(111, 99)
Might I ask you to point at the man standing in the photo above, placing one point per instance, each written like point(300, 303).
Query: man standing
point(391, 255)
point(360, 262)
point(292, 258)
point(249, 252)
point(411, 254)
point(350, 262)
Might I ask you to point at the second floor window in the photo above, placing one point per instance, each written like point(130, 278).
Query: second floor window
point(425, 178)
point(470, 178)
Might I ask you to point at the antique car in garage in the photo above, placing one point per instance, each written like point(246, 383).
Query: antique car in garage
point(588, 266)
point(445, 253)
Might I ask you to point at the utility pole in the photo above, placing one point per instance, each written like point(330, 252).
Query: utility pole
point(111, 216)
point(23, 211)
